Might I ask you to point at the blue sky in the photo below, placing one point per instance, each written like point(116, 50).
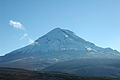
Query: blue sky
point(97, 21)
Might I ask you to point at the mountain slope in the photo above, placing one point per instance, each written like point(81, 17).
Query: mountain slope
point(20, 74)
point(56, 46)
point(89, 67)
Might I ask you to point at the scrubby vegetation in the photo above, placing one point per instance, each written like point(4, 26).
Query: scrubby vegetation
point(21, 74)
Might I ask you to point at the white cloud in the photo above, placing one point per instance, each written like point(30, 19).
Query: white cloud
point(24, 36)
point(19, 25)
point(16, 24)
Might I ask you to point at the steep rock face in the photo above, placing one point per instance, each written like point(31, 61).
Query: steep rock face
point(57, 45)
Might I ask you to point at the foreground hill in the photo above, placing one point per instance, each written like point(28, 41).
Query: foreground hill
point(21, 74)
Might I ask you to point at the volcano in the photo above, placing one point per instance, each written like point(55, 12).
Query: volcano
point(58, 45)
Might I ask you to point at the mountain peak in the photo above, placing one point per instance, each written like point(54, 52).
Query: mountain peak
point(61, 30)
point(56, 34)
point(62, 39)
point(57, 29)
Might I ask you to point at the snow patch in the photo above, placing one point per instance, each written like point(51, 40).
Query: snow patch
point(56, 60)
point(66, 36)
point(89, 49)
point(34, 43)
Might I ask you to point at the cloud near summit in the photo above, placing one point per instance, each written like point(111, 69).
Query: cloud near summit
point(16, 24)
point(19, 25)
